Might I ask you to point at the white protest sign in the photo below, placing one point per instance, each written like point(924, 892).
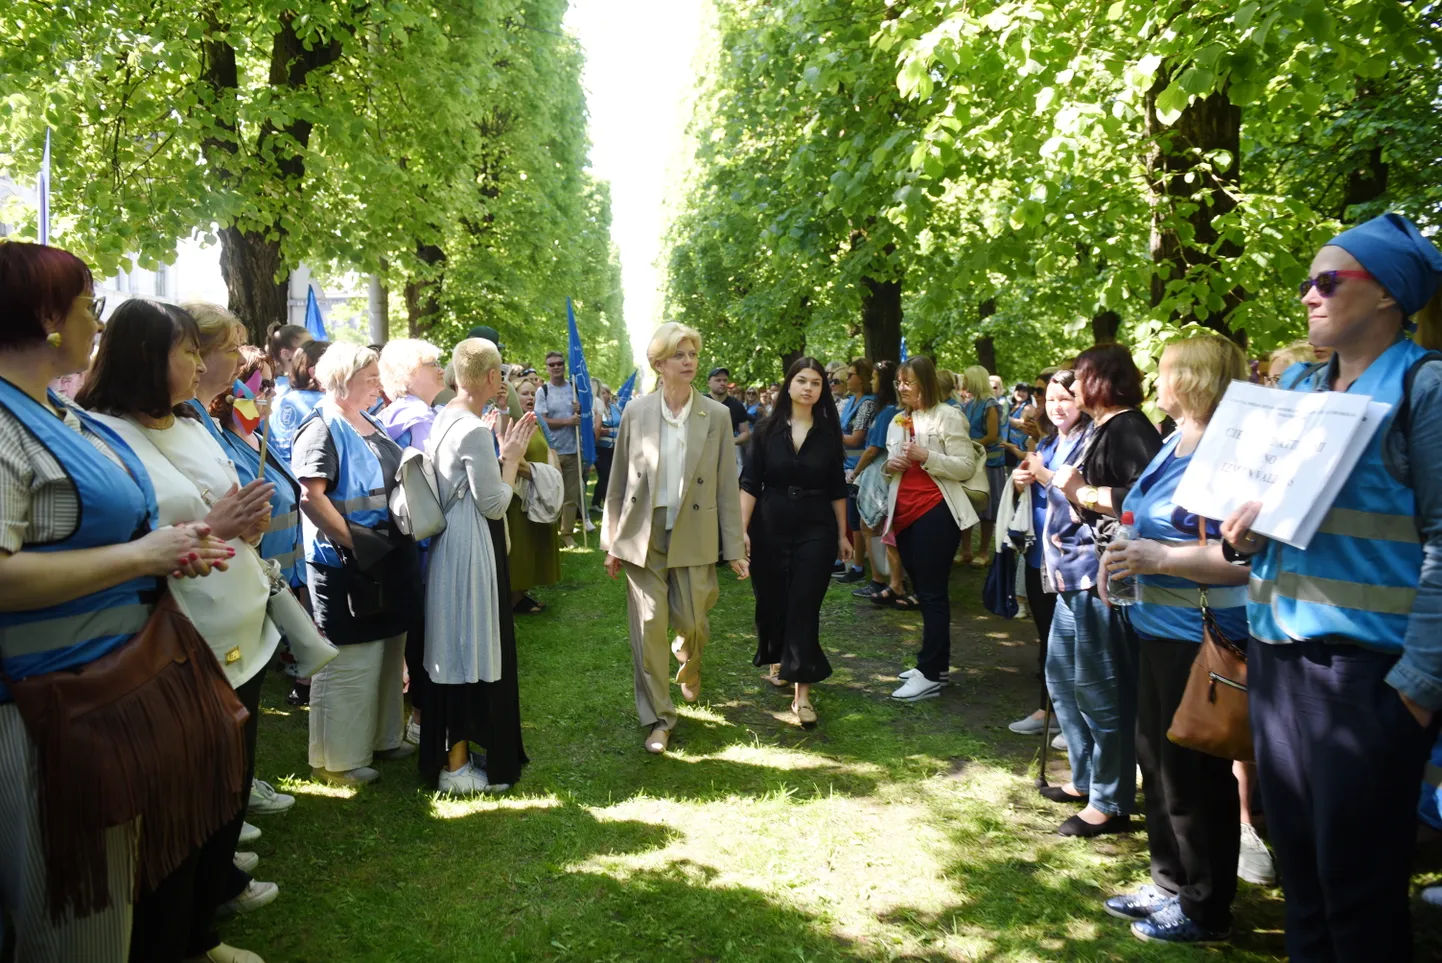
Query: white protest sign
point(1289, 450)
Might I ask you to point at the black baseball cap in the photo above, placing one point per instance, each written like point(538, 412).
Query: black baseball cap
point(487, 332)
point(716, 371)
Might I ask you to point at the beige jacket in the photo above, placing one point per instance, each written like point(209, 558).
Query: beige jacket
point(708, 523)
point(943, 430)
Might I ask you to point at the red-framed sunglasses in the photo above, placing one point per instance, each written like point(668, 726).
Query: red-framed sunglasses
point(1326, 282)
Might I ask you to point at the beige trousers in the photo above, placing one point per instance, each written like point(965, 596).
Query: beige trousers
point(661, 599)
point(356, 705)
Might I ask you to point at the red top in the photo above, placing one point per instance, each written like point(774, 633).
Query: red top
point(917, 495)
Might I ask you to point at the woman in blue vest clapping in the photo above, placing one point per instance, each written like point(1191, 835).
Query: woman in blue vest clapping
point(364, 574)
point(1193, 815)
point(294, 406)
point(1345, 672)
point(80, 540)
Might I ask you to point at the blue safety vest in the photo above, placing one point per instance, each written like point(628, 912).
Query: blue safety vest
point(848, 420)
point(290, 413)
point(1358, 578)
point(116, 506)
point(1170, 606)
point(282, 541)
point(359, 493)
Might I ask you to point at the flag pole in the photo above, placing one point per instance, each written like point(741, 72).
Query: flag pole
point(581, 487)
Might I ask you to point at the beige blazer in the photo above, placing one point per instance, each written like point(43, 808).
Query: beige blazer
point(708, 523)
point(942, 430)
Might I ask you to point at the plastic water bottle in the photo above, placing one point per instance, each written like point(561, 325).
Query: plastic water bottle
point(1124, 591)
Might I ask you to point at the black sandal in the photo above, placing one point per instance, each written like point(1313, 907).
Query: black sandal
point(528, 606)
point(886, 598)
point(906, 603)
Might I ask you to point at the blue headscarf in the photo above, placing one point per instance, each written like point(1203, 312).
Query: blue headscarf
point(1394, 252)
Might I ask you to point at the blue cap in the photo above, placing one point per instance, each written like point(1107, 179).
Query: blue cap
point(1394, 252)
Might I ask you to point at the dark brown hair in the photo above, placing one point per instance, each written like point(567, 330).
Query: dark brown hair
point(862, 367)
point(1108, 376)
point(923, 371)
point(823, 414)
point(131, 371)
point(885, 372)
point(280, 337)
point(223, 407)
point(37, 284)
point(302, 366)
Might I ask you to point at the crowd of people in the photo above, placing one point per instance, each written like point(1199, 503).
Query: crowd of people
point(163, 508)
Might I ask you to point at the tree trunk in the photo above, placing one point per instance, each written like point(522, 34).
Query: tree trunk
point(801, 321)
point(1105, 326)
point(985, 347)
point(1366, 183)
point(881, 320)
point(249, 264)
point(423, 294)
point(1207, 124)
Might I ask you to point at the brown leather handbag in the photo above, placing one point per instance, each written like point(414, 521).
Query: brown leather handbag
point(149, 736)
point(1213, 716)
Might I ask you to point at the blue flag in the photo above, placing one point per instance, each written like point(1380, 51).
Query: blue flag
point(903, 347)
point(627, 389)
point(314, 323)
point(42, 189)
point(581, 381)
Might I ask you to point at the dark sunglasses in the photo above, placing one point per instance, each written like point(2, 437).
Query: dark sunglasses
point(836, 381)
point(266, 384)
point(1326, 282)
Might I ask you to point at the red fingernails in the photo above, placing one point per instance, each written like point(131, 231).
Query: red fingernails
point(193, 556)
point(229, 551)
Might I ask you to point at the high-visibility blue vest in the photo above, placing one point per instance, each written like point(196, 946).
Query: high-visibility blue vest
point(359, 493)
point(1170, 606)
point(282, 541)
point(117, 506)
point(290, 413)
point(1357, 579)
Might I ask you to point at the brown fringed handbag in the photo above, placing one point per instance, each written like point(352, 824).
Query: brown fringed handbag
point(149, 736)
point(1213, 716)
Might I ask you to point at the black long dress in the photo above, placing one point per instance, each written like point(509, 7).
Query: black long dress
point(793, 543)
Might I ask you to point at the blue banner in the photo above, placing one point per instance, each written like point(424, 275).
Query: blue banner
point(627, 389)
point(903, 347)
point(314, 323)
point(581, 381)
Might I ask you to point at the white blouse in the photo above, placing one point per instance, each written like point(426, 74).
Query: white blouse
point(190, 472)
point(671, 469)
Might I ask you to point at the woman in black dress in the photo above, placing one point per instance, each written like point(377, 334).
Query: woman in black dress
point(795, 473)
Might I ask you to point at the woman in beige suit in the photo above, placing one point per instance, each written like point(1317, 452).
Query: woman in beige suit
point(672, 509)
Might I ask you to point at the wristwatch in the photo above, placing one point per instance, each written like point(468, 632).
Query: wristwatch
point(1087, 496)
point(1234, 556)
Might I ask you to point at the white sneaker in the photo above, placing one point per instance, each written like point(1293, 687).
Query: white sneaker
point(1255, 861)
point(246, 862)
point(1059, 742)
point(228, 954)
point(590, 525)
point(917, 687)
point(1031, 725)
point(248, 834)
point(944, 679)
point(265, 801)
point(465, 781)
point(351, 777)
point(254, 896)
point(413, 733)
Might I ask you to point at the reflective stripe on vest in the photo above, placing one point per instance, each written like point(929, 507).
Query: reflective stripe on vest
point(1218, 597)
point(358, 493)
point(1357, 579)
point(64, 631)
point(283, 523)
point(373, 501)
point(289, 560)
point(1381, 599)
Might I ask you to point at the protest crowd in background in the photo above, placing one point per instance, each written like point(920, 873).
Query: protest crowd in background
point(169, 489)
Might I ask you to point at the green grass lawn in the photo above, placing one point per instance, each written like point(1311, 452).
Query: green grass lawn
point(889, 832)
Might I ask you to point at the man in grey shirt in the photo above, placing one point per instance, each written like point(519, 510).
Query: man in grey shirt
point(556, 402)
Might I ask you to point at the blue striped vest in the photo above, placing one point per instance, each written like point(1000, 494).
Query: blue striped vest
point(359, 493)
point(1358, 577)
point(282, 540)
point(116, 506)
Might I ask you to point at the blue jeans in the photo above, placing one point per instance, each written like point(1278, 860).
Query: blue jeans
point(1091, 673)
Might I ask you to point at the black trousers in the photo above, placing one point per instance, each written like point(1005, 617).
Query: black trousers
point(177, 919)
point(1193, 813)
point(603, 474)
point(927, 547)
point(1043, 607)
point(1340, 760)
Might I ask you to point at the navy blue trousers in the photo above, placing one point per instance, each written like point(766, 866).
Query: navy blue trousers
point(1339, 759)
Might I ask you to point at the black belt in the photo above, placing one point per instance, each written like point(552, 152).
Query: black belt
point(794, 492)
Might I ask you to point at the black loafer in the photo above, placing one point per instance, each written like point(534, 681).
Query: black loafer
point(1059, 794)
point(1076, 826)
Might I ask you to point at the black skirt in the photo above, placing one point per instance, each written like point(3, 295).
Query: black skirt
point(793, 543)
point(485, 713)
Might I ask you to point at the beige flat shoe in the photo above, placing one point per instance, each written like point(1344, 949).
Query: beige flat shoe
point(657, 740)
point(691, 692)
point(805, 715)
point(774, 678)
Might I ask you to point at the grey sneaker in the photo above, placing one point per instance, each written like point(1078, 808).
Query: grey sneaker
point(1254, 864)
point(1058, 742)
point(248, 834)
point(265, 801)
point(1031, 725)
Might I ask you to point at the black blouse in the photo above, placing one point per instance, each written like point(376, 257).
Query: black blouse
point(773, 465)
point(1119, 451)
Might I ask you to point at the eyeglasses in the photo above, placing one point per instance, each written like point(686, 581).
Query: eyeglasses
point(554, 364)
point(266, 384)
point(97, 306)
point(835, 381)
point(1326, 282)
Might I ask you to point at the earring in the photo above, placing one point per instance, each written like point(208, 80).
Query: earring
point(54, 339)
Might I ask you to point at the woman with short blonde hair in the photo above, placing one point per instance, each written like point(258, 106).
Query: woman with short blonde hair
point(1298, 352)
point(668, 339)
point(1192, 808)
point(411, 376)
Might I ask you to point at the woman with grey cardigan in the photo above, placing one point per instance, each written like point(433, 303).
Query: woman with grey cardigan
point(470, 645)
